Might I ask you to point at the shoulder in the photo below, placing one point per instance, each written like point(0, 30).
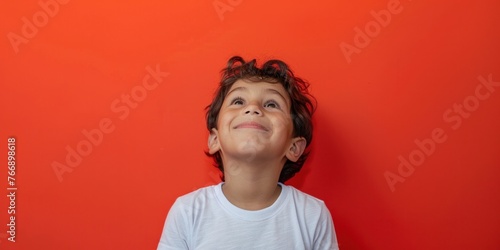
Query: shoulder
point(196, 198)
point(317, 218)
point(178, 228)
point(310, 205)
point(188, 208)
point(302, 197)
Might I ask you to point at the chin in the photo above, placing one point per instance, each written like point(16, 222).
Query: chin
point(250, 146)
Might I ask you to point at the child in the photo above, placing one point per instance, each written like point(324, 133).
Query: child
point(260, 125)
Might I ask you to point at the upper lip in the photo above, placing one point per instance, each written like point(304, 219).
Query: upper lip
point(251, 124)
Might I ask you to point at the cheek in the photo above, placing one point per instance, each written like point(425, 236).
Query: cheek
point(224, 120)
point(283, 125)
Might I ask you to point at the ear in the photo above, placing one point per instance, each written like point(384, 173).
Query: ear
point(296, 148)
point(213, 141)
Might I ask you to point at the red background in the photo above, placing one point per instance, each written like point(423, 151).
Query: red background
point(405, 78)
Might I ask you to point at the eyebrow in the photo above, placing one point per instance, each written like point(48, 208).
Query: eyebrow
point(277, 92)
point(267, 90)
point(238, 88)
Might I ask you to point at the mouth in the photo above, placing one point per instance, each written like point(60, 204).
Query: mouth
point(251, 125)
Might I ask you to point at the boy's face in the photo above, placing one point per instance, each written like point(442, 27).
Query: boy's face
point(254, 123)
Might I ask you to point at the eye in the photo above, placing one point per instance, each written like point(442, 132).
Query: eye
point(237, 101)
point(271, 104)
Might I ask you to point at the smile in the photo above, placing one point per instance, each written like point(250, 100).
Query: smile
point(251, 125)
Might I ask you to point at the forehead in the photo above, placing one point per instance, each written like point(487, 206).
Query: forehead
point(264, 87)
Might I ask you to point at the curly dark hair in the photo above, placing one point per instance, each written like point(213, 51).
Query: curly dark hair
point(302, 108)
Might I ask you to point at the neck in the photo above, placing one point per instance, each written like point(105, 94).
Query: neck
point(251, 186)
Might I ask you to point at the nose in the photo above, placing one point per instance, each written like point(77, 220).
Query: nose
point(252, 109)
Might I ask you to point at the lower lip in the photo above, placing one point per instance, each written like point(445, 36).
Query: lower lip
point(251, 126)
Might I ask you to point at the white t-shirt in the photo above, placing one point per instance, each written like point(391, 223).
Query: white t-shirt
point(206, 220)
